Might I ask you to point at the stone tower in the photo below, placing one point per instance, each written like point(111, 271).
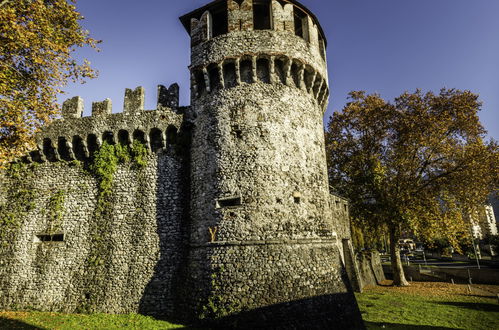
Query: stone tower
point(263, 235)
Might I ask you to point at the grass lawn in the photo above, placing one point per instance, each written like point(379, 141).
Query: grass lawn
point(39, 320)
point(430, 306)
point(420, 306)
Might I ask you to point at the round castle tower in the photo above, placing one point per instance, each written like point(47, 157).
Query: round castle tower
point(262, 232)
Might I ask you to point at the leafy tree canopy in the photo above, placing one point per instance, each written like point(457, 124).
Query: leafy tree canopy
point(37, 40)
point(418, 164)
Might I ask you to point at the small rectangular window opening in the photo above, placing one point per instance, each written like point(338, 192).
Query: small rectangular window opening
point(229, 202)
point(297, 200)
point(49, 238)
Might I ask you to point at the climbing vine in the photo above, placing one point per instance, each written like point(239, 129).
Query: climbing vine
point(19, 202)
point(218, 305)
point(104, 166)
point(55, 211)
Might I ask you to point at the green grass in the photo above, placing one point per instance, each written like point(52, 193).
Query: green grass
point(39, 320)
point(397, 310)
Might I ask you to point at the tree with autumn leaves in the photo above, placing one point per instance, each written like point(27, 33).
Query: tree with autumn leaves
point(37, 41)
point(418, 164)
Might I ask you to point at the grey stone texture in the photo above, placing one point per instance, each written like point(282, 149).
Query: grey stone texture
point(370, 268)
point(232, 218)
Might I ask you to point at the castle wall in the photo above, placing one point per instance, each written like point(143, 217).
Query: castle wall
point(65, 246)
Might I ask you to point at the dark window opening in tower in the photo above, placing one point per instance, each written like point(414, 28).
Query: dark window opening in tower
point(156, 138)
point(140, 136)
point(214, 74)
point(123, 137)
point(220, 20)
point(48, 150)
point(92, 144)
point(262, 18)
point(280, 71)
point(301, 23)
point(200, 82)
point(230, 75)
point(108, 137)
point(78, 147)
point(63, 149)
point(246, 68)
point(322, 46)
point(294, 73)
point(171, 135)
point(263, 70)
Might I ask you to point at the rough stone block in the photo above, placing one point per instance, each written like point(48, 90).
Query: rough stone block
point(72, 108)
point(168, 97)
point(201, 29)
point(240, 15)
point(134, 100)
point(283, 17)
point(103, 108)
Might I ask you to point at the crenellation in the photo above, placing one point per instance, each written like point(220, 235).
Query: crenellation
point(134, 100)
point(200, 29)
point(240, 15)
point(168, 97)
point(72, 108)
point(313, 33)
point(101, 109)
point(283, 16)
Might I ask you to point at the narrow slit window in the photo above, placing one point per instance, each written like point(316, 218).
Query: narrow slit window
point(229, 202)
point(49, 238)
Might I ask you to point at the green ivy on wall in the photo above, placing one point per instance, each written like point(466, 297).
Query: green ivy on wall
point(104, 166)
point(20, 197)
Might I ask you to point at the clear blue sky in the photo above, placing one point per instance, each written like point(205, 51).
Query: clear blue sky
point(384, 46)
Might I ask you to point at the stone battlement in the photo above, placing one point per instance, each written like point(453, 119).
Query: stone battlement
point(74, 137)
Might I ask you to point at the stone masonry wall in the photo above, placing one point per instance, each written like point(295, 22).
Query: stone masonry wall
point(121, 256)
point(142, 242)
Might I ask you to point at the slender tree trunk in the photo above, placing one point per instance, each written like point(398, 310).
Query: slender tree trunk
point(398, 270)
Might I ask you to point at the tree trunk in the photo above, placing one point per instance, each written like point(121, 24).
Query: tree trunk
point(398, 270)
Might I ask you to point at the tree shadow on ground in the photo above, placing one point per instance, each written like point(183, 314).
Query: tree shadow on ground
point(383, 325)
point(6, 323)
point(484, 307)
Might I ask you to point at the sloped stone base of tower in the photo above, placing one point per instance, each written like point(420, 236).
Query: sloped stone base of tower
point(281, 285)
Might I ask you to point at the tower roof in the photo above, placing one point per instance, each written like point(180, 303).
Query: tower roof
point(186, 19)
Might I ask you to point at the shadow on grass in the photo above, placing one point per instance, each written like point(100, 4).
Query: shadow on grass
point(6, 323)
point(484, 307)
point(374, 325)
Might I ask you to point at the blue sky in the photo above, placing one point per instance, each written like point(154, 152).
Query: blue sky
point(384, 46)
